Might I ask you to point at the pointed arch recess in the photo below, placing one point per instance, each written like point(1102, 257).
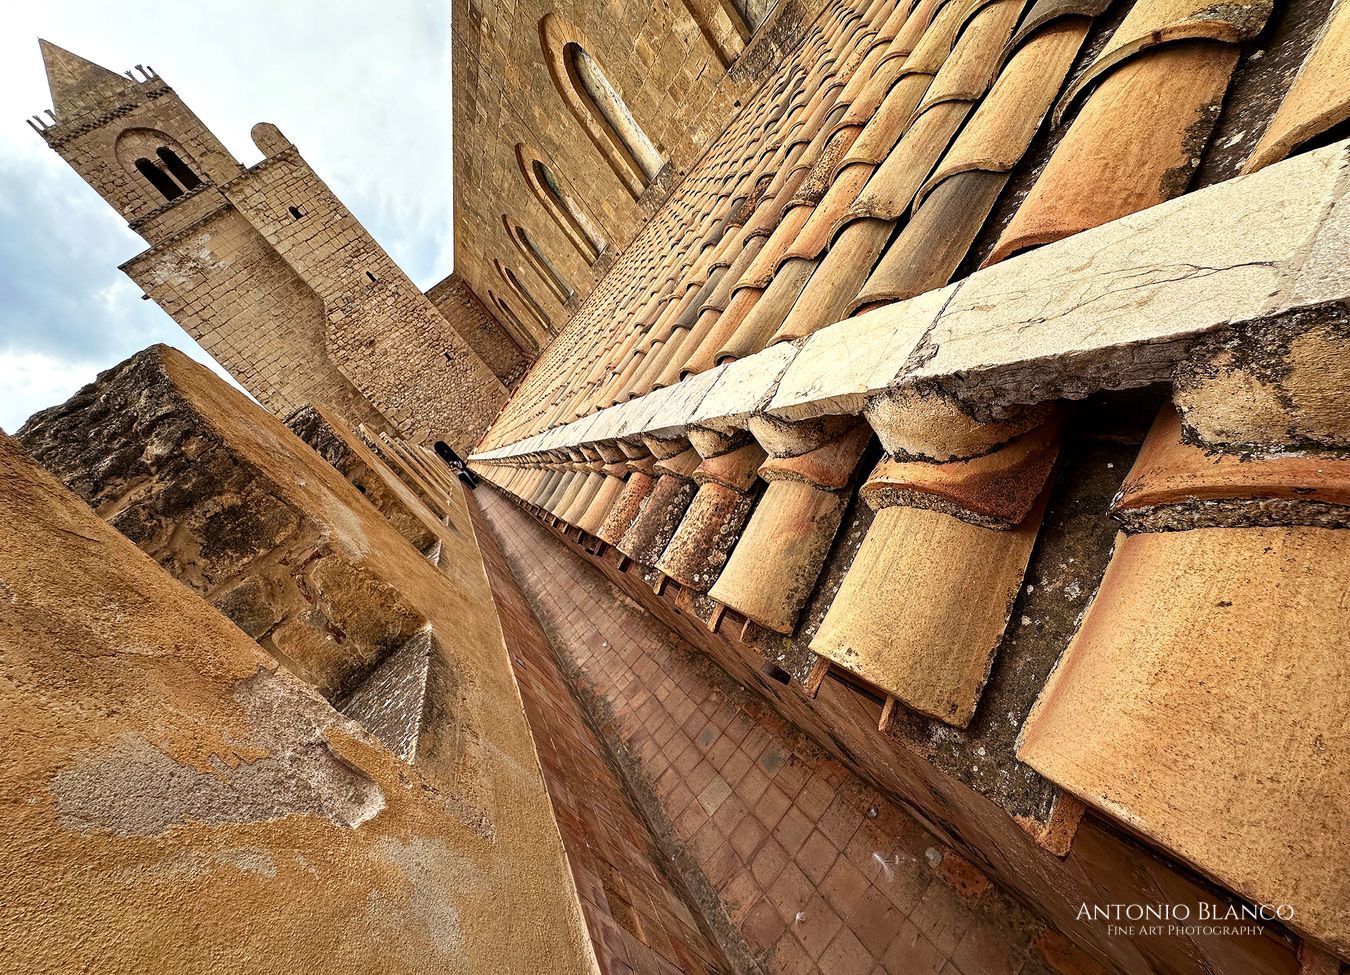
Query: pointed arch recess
point(565, 213)
point(523, 337)
point(598, 105)
point(523, 295)
point(538, 260)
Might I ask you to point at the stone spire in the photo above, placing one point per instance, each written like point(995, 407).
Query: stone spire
point(77, 85)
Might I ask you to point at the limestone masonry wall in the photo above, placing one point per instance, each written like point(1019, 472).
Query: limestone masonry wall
point(681, 70)
point(487, 336)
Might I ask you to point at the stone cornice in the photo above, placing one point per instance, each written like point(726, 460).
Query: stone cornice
point(1114, 307)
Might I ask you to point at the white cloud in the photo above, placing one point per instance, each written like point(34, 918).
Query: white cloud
point(362, 87)
point(33, 380)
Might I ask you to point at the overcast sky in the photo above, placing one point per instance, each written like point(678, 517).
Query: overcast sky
point(361, 87)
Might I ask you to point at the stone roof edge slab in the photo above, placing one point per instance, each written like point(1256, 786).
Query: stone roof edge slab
point(1110, 308)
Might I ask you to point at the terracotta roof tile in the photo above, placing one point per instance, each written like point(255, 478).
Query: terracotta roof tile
point(1135, 143)
point(1172, 473)
point(996, 490)
point(1201, 702)
point(1319, 100)
point(921, 628)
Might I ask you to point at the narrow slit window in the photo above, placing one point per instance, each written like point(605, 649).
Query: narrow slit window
point(372, 277)
point(181, 171)
point(159, 179)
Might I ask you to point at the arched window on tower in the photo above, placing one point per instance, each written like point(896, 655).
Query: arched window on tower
point(537, 260)
point(159, 179)
point(180, 170)
point(599, 106)
point(569, 217)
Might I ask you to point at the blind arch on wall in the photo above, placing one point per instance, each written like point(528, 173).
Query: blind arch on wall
point(583, 234)
point(524, 337)
point(538, 260)
point(598, 105)
point(523, 295)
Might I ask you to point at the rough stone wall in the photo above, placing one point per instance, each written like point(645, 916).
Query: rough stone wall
point(272, 788)
point(480, 329)
point(321, 430)
point(667, 70)
point(136, 451)
point(382, 331)
point(230, 290)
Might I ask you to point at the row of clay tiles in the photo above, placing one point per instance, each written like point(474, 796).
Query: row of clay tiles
point(1259, 527)
point(885, 162)
point(734, 182)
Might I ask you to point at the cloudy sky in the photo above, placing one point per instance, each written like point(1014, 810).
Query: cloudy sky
point(361, 87)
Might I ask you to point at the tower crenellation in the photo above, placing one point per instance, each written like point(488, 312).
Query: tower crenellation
point(130, 137)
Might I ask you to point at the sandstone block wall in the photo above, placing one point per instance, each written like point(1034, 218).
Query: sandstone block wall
point(665, 63)
point(228, 288)
point(382, 331)
point(503, 354)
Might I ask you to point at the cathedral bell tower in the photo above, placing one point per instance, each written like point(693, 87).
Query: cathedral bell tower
point(134, 141)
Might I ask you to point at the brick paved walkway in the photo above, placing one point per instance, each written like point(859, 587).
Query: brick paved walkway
point(811, 868)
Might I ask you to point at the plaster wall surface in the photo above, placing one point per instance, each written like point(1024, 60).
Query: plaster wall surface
point(165, 718)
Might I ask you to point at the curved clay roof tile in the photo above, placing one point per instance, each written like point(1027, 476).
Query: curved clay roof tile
point(1151, 23)
point(1319, 99)
point(1047, 12)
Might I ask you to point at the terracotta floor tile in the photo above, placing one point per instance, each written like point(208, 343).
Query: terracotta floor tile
point(942, 916)
point(759, 809)
point(746, 837)
point(984, 950)
point(792, 830)
point(910, 953)
point(845, 955)
point(817, 927)
point(875, 920)
point(769, 862)
point(840, 821)
point(714, 794)
point(770, 806)
point(844, 886)
point(790, 958)
point(815, 797)
point(816, 857)
point(763, 926)
point(752, 785)
point(791, 892)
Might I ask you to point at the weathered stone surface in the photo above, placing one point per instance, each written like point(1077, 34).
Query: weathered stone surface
point(840, 366)
point(328, 435)
point(175, 784)
point(175, 486)
point(1278, 385)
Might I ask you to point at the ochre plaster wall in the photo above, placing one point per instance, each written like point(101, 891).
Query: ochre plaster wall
point(182, 803)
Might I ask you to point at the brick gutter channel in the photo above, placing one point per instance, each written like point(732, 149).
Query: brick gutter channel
point(675, 862)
